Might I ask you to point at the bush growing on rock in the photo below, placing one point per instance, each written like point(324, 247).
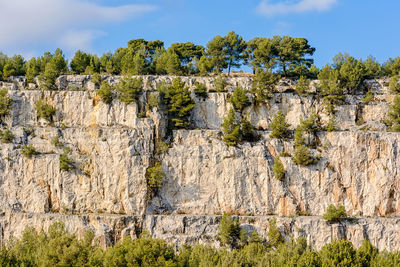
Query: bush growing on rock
point(275, 237)
point(220, 84)
point(200, 90)
point(278, 169)
point(338, 253)
point(302, 86)
point(239, 99)
point(394, 85)
point(231, 129)
point(264, 83)
point(105, 92)
point(6, 136)
point(229, 230)
point(29, 151)
point(155, 175)
point(279, 127)
point(302, 156)
point(45, 110)
point(66, 163)
point(393, 120)
point(129, 89)
point(96, 79)
point(334, 214)
point(5, 103)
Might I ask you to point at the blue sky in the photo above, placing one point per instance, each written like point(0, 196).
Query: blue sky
point(358, 27)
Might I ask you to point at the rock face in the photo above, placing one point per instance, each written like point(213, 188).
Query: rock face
point(113, 145)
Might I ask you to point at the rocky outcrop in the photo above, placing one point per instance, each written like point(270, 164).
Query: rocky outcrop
point(113, 145)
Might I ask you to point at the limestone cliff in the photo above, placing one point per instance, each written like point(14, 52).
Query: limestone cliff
point(113, 145)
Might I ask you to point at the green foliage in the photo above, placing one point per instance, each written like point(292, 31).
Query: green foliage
point(372, 68)
point(200, 90)
point(264, 85)
point(302, 86)
point(394, 85)
point(369, 96)
point(302, 156)
point(55, 141)
point(366, 253)
point(275, 237)
point(231, 129)
point(278, 169)
point(96, 79)
point(154, 176)
point(247, 131)
point(129, 89)
point(220, 84)
point(239, 99)
point(177, 97)
point(5, 103)
point(279, 127)
point(44, 110)
point(66, 163)
point(188, 53)
point(80, 62)
point(311, 124)
point(351, 72)
point(299, 139)
point(393, 120)
point(334, 214)
point(28, 151)
point(392, 66)
point(6, 136)
point(331, 126)
point(234, 50)
point(229, 230)
point(216, 54)
point(338, 253)
point(105, 92)
point(153, 100)
point(167, 62)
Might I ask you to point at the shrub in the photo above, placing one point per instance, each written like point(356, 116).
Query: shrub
point(302, 156)
point(239, 99)
point(247, 131)
point(154, 176)
point(231, 129)
point(5, 103)
point(311, 124)
point(45, 110)
point(338, 253)
point(153, 101)
point(394, 86)
point(220, 84)
point(279, 127)
point(275, 237)
point(302, 86)
point(105, 92)
point(129, 89)
point(28, 151)
point(299, 139)
point(6, 136)
point(369, 96)
point(334, 214)
point(229, 230)
point(331, 126)
point(264, 83)
point(393, 120)
point(96, 79)
point(66, 164)
point(200, 90)
point(55, 141)
point(278, 169)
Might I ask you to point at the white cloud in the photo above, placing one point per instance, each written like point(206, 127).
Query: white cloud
point(287, 7)
point(71, 23)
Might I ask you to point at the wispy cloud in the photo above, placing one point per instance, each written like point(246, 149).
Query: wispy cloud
point(287, 7)
point(68, 23)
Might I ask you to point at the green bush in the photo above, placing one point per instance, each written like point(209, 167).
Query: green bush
point(96, 79)
point(231, 129)
point(331, 126)
point(394, 85)
point(6, 136)
point(129, 89)
point(338, 253)
point(393, 120)
point(105, 92)
point(153, 101)
point(200, 90)
point(369, 96)
point(334, 214)
point(155, 175)
point(299, 139)
point(302, 156)
point(302, 86)
point(239, 99)
point(66, 163)
point(310, 125)
point(220, 84)
point(279, 127)
point(44, 110)
point(247, 131)
point(275, 237)
point(28, 151)
point(5, 103)
point(264, 83)
point(278, 169)
point(229, 230)
point(55, 141)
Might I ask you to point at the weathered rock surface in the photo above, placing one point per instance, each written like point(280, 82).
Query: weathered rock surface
point(113, 145)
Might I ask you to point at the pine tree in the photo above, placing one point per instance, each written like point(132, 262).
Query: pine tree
point(278, 169)
point(231, 129)
point(279, 127)
point(239, 99)
point(179, 102)
point(394, 115)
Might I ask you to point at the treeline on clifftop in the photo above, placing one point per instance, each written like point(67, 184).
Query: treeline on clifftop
point(60, 248)
point(282, 55)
